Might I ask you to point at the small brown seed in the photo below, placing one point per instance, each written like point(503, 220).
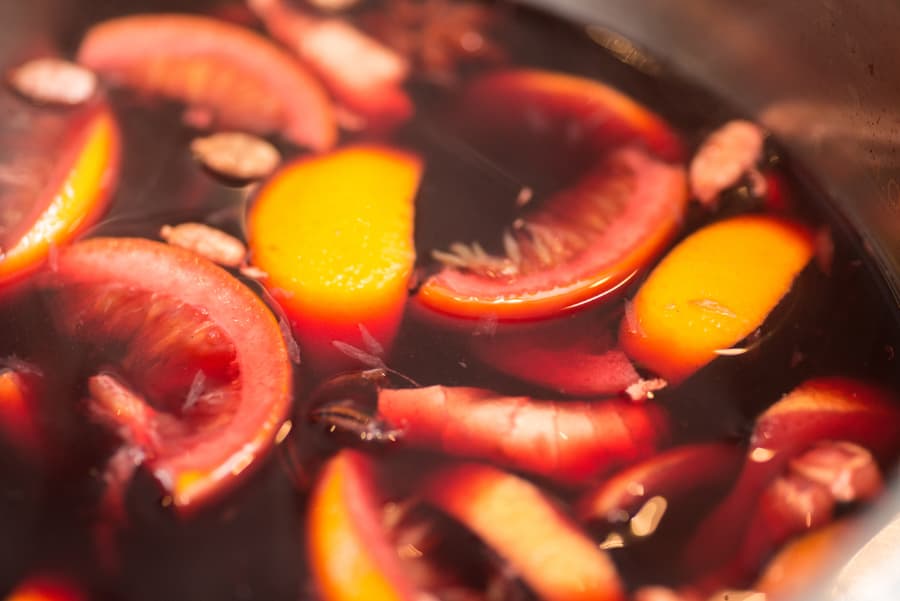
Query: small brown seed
point(53, 81)
point(206, 241)
point(236, 155)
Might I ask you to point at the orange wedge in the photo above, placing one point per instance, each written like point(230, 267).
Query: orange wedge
point(349, 553)
point(334, 233)
point(712, 291)
point(66, 171)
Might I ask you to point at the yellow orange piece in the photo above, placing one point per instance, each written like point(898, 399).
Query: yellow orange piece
point(17, 419)
point(511, 515)
point(45, 588)
point(334, 233)
point(79, 195)
point(349, 555)
point(713, 290)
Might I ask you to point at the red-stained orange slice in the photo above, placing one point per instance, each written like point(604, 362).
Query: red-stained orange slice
point(514, 518)
point(582, 244)
point(244, 80)
point(57, 170)
point(712, 291)
point(349, 552)
point(205, 379)
point(334, 233)
point(570, 115)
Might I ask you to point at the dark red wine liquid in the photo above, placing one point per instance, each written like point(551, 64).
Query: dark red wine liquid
point(250, 545)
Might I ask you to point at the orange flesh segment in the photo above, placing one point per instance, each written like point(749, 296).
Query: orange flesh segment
point(713, 290)
point(515, 519)
point(77, 198)
point(344, 561)
point(334, 233)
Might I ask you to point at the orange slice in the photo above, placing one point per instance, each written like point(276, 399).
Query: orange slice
point(334, 233)
point(243, 79)
point(55, 182)
point(713, 290)
point(349, 553)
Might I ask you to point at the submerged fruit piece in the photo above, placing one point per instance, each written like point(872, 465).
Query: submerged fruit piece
point(45, 588)
point(713, 290)
point(575, 116)
point(334, 233)
point(513, 517)
point(205, 376)
point(582, 244)
point(349, 552)
point(584, 364)
point(728, 154)
point(568, 441)
point(362, 74)
point(57, 171)
point(804, 561)
point(673, 474)
point(242, 79)
point(824, 409)
point(18, 410)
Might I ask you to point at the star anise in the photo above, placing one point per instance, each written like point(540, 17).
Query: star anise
point(437, 36)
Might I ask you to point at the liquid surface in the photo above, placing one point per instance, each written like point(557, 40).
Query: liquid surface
point(250, 544)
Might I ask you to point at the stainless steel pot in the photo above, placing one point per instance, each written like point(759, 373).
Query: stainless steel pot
point(821, 75)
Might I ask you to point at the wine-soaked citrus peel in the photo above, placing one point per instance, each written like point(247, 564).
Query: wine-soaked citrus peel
point(515, 519)
point(568, 441)
point(348, 548)
point(48, 207)
point(564, 113)
point(712, 291)
point(334, 233)
point(244, 80)
point(580, 245)
point(196, 345)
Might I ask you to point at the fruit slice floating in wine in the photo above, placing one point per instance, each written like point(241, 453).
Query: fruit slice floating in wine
point(675, 473)
point(825, 409)
point(551, 112)
point(570, 441)
point(196, 377)
point(522, 525)
point(363, 75)
point(582, 244)
point(344, 520)
point(57, 170)
point(586, 363)
point(712, 291)
point(334, 233)
point(19, 421)
point(241, 79)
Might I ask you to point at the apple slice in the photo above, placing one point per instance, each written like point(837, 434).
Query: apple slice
point(244, 80)
point(513, 517)
point(348, 548)
point(334, 233)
